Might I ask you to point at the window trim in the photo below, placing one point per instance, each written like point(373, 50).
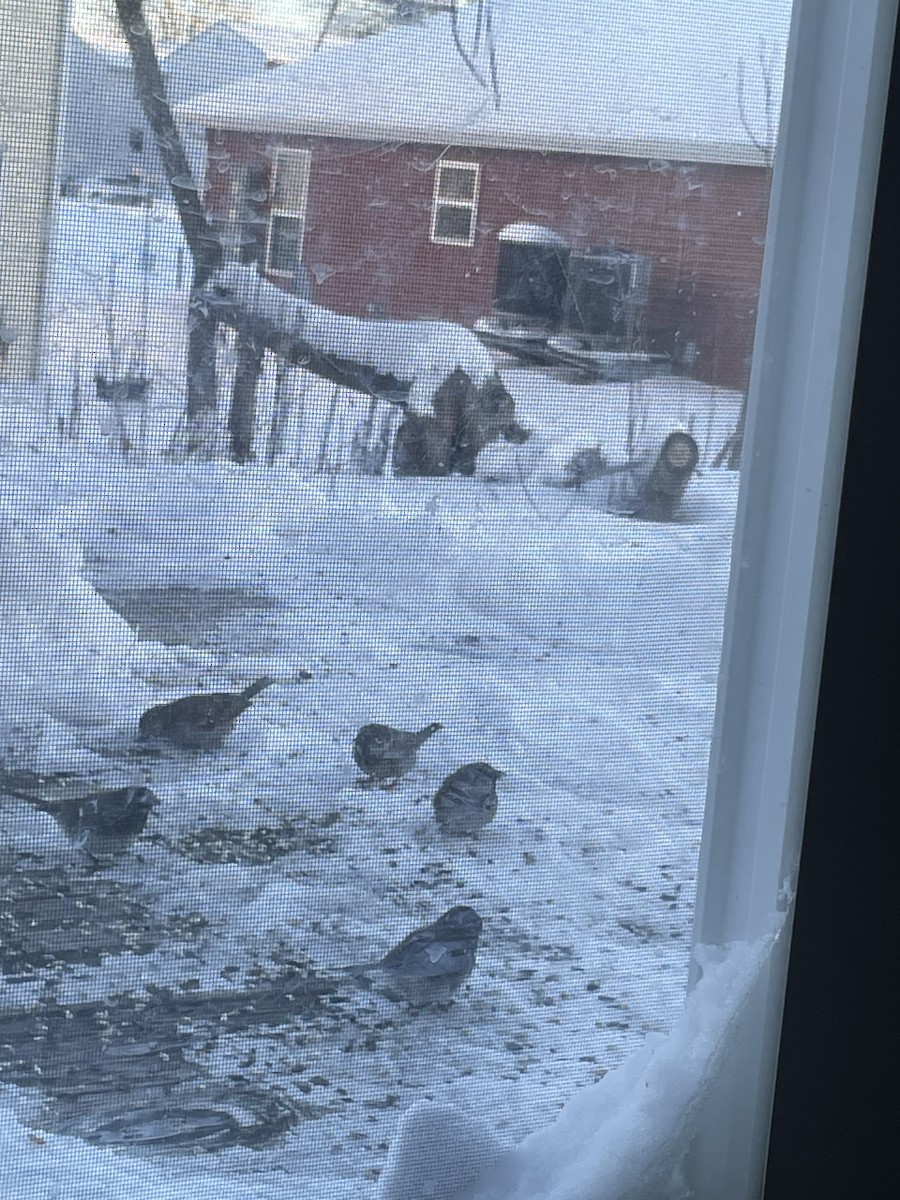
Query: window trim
point(278, 211)
point(469, 205)
point(804, 361)
point(841, 948)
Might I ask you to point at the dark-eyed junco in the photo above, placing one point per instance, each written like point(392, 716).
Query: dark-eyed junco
point(103, 823)
point(430, 963)
point(200, 722)
point(383, 753)
point(467, 799)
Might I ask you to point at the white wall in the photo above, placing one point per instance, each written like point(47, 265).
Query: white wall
point(31, 41)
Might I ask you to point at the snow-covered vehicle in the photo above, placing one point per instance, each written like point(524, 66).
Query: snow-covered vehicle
point(576, 310)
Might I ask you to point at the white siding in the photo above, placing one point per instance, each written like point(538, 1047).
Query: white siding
point(30, 86)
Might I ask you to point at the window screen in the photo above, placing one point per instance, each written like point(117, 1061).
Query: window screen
point(360, 675)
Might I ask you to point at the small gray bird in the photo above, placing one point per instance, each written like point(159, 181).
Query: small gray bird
point(200, 722)
point(102, 824)
point(430, 963)
point(467, 799)
point(383, 753)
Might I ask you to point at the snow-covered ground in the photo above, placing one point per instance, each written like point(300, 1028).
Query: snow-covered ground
point(574, 649)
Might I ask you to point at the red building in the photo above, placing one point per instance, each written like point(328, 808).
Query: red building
point(390, 178)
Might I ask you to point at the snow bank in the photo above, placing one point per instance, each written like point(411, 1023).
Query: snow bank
point(622, 1139)
point(66, 653)
point(419, 353)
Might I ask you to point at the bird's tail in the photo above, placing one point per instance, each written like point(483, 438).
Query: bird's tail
point(359, 971)
point(30, 786)
point(41, 803)
point(424, 734)
point(259, 685)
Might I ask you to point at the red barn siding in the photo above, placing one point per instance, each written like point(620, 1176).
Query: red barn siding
point(368, 249)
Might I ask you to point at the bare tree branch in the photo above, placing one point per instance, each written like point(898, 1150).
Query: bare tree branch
point(255, 328)
point(482, 38)
point(328, 20)
point(483, 28)
point(460, 48)
point(492, 56)
point(765, 144)
point(479, 19)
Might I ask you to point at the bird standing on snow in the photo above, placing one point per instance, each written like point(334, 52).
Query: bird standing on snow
point(430, 963)
point(103, 823)
point(383, 753)
point(467, 799)
point(200, 722)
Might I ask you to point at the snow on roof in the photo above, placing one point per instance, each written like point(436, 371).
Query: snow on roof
point(278, 44)
point(641, 78)
point(536, 235)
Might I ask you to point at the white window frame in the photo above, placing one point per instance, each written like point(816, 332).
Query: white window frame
point(275, 210)
point(470, 206)
point(811, 297)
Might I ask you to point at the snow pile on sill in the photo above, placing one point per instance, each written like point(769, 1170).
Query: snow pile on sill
point(624, 1138)
point(419, 353)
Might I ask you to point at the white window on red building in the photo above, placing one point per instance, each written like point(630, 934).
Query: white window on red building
point(241, 220)
point(455, 203)
point(287, 221)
